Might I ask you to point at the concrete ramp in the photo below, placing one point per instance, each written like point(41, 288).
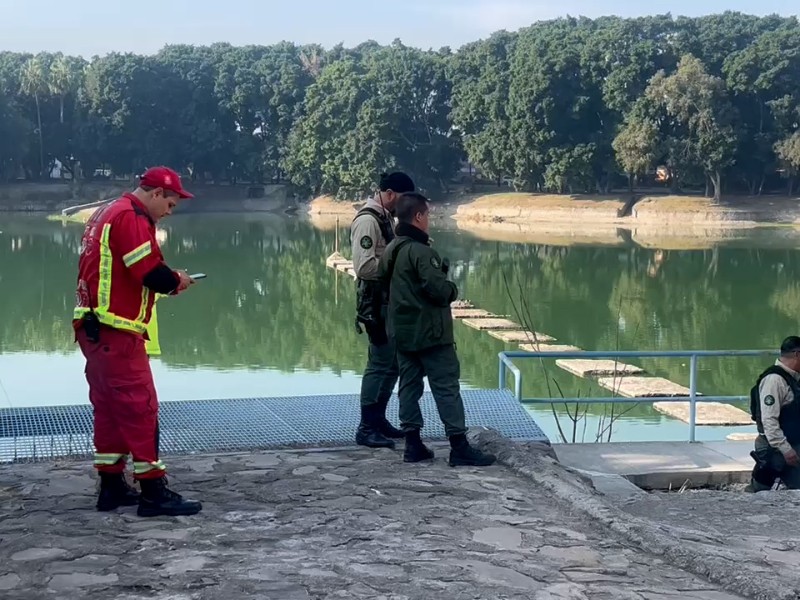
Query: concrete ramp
point(44, 433)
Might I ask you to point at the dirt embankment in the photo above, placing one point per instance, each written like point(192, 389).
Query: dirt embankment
point(327, 213)
point(660, 222)
point(533, 210)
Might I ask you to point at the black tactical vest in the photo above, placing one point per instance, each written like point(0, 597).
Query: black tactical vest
point(789, 419)
point(383, 222)
point(372, 297)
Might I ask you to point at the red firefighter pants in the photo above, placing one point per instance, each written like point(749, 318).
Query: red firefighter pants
point(123, 396)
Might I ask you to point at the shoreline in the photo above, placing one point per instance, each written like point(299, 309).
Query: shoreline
point(523, 211)
point(656, 222)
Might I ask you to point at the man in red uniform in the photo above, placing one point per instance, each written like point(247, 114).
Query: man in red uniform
point(120, 271)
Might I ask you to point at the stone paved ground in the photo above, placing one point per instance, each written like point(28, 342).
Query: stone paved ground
point(301, 525)
point(761, 529)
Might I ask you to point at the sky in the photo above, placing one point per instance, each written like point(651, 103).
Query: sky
point(96, 27)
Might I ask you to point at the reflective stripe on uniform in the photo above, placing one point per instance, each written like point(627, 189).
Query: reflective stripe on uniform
point(105, 458)
point(104, 315)
point(137, 254)
point(112, 320)
point(152, 345)
point(104, 283)
point(139, 468)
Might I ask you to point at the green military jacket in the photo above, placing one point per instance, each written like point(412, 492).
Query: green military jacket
point(419, 292)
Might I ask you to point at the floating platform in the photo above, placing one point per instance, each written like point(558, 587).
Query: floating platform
point(339, 263)
point(548, 348)
point(708, 413)
point(597, 368)
point(742, 436)
point(519, 335)
point(461, 304)
point(487, 323)
point(643, 387)
point(472, 313)
point(44, 433)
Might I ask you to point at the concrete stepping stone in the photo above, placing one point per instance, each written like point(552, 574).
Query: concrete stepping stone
point(472, 313)
point(520, 335)
point(597, 368)
point(488, 323)
point(548, 348)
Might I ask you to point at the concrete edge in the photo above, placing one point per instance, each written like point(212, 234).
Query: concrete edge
point(664, 480)
point(538, 463)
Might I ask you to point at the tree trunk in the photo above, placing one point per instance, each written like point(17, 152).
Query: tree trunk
point(62, 110)
point(41, 139)
point(761, 186)
point(717, 181)
point(708, 187)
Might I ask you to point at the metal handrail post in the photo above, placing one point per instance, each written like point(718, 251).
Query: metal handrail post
point(506, 363)
point(692, 397)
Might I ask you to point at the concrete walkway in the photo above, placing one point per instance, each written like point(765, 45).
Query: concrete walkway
point(661, 465)
point(302, 525)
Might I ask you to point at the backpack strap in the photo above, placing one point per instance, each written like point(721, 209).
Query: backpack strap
point(383, 222)
point(755, 399)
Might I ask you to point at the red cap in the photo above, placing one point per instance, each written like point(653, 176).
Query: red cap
point(164, 177)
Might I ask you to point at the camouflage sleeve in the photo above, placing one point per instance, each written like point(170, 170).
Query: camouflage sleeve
point(435, 285)
point(364, 235)
point(774, 393)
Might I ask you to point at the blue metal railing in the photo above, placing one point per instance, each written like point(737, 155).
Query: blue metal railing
point(507, 364)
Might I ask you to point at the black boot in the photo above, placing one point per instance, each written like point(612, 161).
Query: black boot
point(115, 492)
point(415, 450)
point(157, 500)
point(385, 428)
point(462, 454)
point(368, 433)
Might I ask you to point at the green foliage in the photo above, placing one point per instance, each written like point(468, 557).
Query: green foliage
point(568, 105)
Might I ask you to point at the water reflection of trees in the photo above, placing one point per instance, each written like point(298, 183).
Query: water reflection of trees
point(269, 301)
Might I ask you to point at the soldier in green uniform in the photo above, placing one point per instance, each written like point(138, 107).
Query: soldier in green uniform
point(372, 229)
point(421, 325)
point(775, 407)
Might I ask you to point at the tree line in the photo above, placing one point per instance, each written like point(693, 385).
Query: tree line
point(568, 105)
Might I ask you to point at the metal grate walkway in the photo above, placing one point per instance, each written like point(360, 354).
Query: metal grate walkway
point(43, 433)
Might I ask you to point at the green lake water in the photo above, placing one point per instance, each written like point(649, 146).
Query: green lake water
point(271, 320)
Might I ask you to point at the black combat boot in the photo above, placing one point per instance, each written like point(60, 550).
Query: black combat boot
point(157, 500)
point(415, 450)
point(368, 433)
point(115, 492)
point(462, 454)
point(385, 428)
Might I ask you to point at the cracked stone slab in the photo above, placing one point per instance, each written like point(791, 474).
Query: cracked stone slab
point(9, 581)
point(66, 582)
point(38, 554)
point(354, 524)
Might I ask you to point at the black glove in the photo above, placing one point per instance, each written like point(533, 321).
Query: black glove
point(445, 265)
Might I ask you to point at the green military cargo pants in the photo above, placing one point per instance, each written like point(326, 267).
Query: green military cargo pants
point(441, 365)
point(380, 375)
